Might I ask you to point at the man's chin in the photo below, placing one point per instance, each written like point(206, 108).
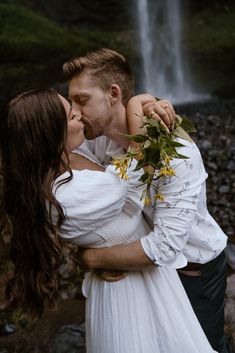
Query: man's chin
point(90, 135)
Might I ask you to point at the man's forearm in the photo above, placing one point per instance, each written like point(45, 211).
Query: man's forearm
point(123, 257)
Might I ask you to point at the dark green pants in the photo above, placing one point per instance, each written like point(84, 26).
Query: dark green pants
point(206, 294)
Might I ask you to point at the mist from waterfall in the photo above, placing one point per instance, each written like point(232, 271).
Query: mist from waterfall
point(165, 71)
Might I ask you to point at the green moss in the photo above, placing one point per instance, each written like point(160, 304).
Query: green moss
point(33, 48)
point(211, 30)
point(209, 39)
point(25, 35)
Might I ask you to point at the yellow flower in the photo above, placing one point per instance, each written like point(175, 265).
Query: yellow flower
point(171, 171)
point(147, 201)
point(117, 163)
point(126, 162)
point(167, 159)
point(167, 172)
point(155, 166)
point(121, 164)
point(123, 175)
point(159, 196)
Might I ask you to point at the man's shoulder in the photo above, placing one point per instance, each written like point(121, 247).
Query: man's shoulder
point(188, 144)
point(189, 149)
point(190, 164)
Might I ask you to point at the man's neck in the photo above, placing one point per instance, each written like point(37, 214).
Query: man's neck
point(118, 129)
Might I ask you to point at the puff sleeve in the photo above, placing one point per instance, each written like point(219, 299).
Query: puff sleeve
point(90, 200)
point(133, 204)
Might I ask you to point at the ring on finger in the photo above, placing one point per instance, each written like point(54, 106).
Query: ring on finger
point(151, 114)
point(166, 105)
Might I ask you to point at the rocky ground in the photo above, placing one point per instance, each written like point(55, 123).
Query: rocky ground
point(61, 331)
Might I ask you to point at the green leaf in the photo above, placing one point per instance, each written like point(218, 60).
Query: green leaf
point(181, 156)
point(154, 122)
point(155, 146)
point(153, 131)
point(172, 143)
point(155, 160)
point(138, 138)
point(152, 156)
point(145, 119)
point(179, 132)
point(187, 125)
point(147, 144)
point(141, 163)
point(178, 118)
point(144, 177)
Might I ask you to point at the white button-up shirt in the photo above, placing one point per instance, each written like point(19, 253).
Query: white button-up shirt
point(183, 229)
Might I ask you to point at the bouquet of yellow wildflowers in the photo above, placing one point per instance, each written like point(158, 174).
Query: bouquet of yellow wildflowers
point(157, 148)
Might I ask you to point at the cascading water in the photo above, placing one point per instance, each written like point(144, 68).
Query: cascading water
point(165, 73)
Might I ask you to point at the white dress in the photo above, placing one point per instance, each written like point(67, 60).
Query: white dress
point(146, 312)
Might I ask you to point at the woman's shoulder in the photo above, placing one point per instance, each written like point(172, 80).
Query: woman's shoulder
point(89, 200)
point(88, 186)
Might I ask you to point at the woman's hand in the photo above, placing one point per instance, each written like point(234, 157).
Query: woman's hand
point(162, 111)
point(146, 104)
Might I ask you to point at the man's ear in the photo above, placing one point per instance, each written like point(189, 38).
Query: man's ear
point(115, 94)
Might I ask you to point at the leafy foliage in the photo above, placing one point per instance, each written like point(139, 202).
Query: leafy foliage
point(156, 149)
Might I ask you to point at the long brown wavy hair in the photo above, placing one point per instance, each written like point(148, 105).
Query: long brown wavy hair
point(33, 133)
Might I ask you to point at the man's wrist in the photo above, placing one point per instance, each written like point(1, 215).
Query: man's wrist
point(87, 259)
point(94, 258)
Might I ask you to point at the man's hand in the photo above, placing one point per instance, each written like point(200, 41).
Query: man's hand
point(86, 258)
point(111, 276)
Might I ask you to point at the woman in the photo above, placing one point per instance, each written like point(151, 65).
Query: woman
point(148, 310)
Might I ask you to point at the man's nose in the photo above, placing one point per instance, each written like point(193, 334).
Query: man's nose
point(76, 106)
point(76, 111)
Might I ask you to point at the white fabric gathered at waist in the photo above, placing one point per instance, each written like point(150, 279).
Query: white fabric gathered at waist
point(123, 229)
point(146, 312)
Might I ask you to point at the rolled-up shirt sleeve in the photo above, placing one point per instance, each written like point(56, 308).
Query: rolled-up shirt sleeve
point(175, 216)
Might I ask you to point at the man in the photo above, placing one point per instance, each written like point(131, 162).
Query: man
point(184, 234)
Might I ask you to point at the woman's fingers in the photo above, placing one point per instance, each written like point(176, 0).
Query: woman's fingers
point(168, 107)
point(160, 119)
point(162, 109)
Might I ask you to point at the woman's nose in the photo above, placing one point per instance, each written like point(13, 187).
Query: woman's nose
point(77, 114)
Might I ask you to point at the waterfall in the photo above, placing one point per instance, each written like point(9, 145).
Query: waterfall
point(164, 69)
